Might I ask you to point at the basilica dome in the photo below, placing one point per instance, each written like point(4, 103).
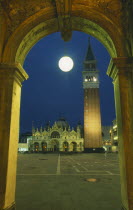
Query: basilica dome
point(62, 123)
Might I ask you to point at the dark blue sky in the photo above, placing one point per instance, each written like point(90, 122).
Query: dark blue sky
point(50, 93)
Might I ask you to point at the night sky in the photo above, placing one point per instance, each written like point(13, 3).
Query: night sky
point(50, 93)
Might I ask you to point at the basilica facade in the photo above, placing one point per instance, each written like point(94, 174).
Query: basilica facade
point(60, 137)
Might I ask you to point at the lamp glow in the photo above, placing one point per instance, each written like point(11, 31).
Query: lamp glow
point(66, 64)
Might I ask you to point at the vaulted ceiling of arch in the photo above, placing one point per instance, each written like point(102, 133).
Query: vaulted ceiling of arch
point(17, 11)
point(106, 13)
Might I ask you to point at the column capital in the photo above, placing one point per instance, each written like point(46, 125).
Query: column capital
point(13, 70)
point(120, 65)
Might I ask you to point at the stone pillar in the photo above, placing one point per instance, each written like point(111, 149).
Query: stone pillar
point(11, 77)
point(78, 148)
point(3, 28)
point(40, 146)
point(61, 147)
point(121, 70)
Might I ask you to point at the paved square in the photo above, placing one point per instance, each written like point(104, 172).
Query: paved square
point(59, 182)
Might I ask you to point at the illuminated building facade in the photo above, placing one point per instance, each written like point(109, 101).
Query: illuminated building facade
point(92, 116)
point(106, 138)
point(58, 138)
point(114, 136)
point(24, 139)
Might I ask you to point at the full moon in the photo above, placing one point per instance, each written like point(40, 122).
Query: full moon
point(65, 64)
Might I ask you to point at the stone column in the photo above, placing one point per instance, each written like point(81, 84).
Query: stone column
point(11, 77)
point(3, 28)
point(40, 146)
point(121, 70)
point(68, 147)
point(61, 146)
point(78, 147)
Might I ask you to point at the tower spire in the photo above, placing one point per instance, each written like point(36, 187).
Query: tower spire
point(90, 61)
point(90, 55)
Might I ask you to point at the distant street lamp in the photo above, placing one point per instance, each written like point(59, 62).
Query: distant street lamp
point(66, 64)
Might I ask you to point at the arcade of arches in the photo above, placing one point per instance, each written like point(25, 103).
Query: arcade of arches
point(60, 137)
point(22, 24)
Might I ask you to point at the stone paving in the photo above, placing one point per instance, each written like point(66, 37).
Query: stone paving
point(62, 182)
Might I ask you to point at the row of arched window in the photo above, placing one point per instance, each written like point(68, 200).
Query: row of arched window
point(91, 78)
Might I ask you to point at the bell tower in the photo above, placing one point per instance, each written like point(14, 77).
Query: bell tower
point(92, 116)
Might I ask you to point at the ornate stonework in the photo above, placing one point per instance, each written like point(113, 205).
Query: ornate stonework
point(93, 29)
point(33, 36)
point(18, 11)
point(59, 137)
point(64, 8)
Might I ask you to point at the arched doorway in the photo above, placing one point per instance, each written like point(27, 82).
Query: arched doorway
point(73, 146)
point(65, 146)
point(36, 147)
point(55, 145)
point(104, 21)
point(55, 134)
point(44, 146)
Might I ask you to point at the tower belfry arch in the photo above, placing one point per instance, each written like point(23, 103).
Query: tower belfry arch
point(22, 24)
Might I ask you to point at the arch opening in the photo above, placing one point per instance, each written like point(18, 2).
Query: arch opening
point(36, 147)
point(55, 145)
point(16, 51)
point(73, 146)
point(40, 31)
point(20, 47)
point(44, 146)
point(66, 146)
point(55, 134)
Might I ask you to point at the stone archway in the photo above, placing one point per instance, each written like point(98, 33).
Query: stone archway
point(110, 22)
point(73, 147)
point(65, 146)
point(36, 147)
point(44, 146)
point(55, 145)
point(55, 134)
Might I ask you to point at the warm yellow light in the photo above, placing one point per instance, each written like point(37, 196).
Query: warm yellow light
point(94, 79)
point(116, 137)
point(86, 80)
point(66, 64)
point(115, 126)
